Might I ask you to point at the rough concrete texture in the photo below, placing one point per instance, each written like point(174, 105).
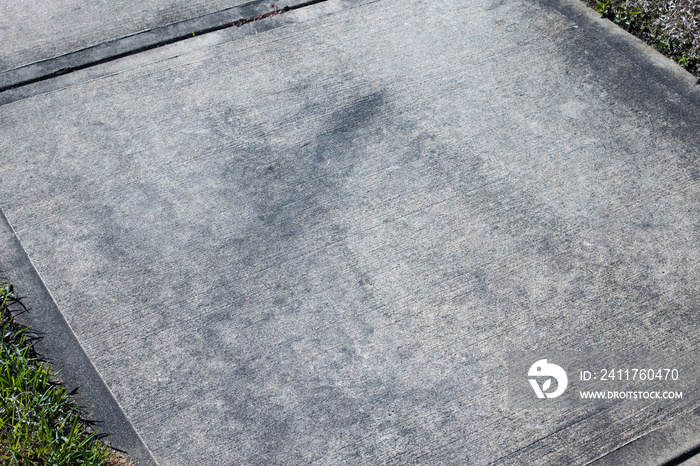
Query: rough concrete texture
point(319, 244)
point(57, 343)
point(112, 49)
point(35, 30)
point(652, 449)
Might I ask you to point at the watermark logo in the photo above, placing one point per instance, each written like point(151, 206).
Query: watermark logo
point(542, 369)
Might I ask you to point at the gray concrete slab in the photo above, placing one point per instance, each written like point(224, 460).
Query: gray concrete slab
point(35, 31)
point(56, 343)
point(114, 48)
point(324, 242)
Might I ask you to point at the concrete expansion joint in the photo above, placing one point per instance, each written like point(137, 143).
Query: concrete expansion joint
point(276, 11)
point(74, 62)
point(693, 453)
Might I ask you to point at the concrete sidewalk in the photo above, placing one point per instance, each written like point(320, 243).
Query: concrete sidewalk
point(32, 31)
point(343, 234)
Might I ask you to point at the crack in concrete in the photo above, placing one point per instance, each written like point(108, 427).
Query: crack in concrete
point(243, 21)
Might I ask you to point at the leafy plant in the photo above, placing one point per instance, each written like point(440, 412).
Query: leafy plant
point(672, 27)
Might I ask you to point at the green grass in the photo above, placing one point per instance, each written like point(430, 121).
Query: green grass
point(671, 27)
point(39, 422)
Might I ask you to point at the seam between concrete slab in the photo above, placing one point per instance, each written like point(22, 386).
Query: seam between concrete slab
point(67, 333)
point(673, 459)
point(555, 432)
point(143, 41)
point(692, 453)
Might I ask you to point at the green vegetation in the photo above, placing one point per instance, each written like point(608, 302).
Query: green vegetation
point(671, 27)
point(39, 423)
